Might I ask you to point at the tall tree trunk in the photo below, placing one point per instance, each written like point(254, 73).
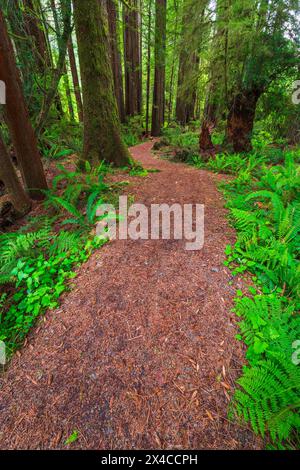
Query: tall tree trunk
point(113, 13)
point(148, 66)
point(158, 109)
point(173, 66)
point(240, 120)
point(75, 77)
point(132, 55)
point(20, 127)
point(68, 92)
point(102, 135)
point(16, 194)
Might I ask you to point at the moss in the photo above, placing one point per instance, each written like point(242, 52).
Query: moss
point(102, 130)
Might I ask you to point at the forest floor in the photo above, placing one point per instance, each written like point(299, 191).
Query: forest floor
point(142, 353)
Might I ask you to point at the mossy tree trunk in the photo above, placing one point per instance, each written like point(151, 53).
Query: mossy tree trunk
point(22, 134)
point(158, 109)
point(102, 133)
point(75, 78)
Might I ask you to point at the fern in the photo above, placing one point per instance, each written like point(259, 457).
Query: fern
point(269, 397)
point(65, 242)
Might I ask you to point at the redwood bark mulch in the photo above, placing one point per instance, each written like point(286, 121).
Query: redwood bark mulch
point(142, 353)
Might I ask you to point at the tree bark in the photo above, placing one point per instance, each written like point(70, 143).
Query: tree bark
point(158, 110)
point(102, 135)
point(132, 56)
point(173, 66)
point(240, 120)
point(112, 12)
point(20, 127)
point(16, 194)
point(75, 78)
point(148, 66)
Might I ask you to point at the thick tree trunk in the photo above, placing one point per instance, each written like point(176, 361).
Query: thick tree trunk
point(15, 192)
point(240, 120)
point(20, 127)
point(132, 56)
point(158, 110)
point(112, 11)
point(75, 79)
point(102, 136)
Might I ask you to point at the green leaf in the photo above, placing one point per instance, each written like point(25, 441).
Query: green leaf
point(72, 438)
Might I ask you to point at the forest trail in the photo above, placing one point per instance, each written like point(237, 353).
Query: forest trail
point(141, 354)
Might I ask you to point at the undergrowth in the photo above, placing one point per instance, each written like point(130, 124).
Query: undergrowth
point(263, 198)
point(38, 262)
point(264, 204)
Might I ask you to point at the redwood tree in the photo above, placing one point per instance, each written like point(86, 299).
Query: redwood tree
point(158, 109)
point(132, 58)
point(102, 135)
point(75, 78)
point(113, 13)
point(20, 127)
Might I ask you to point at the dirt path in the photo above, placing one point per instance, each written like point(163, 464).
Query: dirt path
point(136, 355)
